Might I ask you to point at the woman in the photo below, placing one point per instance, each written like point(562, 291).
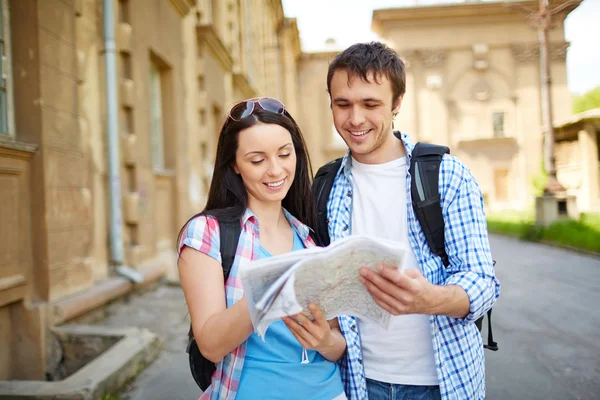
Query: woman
point(261, 178)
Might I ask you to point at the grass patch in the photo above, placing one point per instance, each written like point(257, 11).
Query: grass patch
point(582, 234)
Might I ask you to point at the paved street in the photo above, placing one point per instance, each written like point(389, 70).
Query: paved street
point(162, 311)
point(546, 323)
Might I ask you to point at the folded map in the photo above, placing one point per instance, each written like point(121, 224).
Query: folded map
point(283, 285)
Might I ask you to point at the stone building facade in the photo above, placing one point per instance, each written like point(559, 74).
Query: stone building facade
point(473, 84)
point(180, 65)
point(578, 157)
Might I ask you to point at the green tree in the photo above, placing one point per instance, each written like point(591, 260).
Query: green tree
point(587, 101)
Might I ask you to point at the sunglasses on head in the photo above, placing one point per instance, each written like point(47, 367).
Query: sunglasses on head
point(245, 108)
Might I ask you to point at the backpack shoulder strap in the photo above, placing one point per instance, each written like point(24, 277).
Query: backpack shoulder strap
point(424, 171)
point(320, 190)
point(230, 236)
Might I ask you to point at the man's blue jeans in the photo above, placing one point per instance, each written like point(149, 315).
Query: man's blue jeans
point(390, 391)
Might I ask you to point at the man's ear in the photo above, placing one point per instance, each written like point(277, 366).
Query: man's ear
point(396, 105)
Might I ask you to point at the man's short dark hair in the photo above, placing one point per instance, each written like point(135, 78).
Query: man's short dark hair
point(377, 58)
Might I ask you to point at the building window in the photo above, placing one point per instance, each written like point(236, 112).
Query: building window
point(156, 120)
point(498, 124)
point(6, 116)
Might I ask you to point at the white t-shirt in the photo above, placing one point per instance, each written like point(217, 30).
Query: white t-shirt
point(404, 354)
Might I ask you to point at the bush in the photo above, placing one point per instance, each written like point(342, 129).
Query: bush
point(512, 228)
point(582, 234)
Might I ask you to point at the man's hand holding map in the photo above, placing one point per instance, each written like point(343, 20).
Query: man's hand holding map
point(327, 277)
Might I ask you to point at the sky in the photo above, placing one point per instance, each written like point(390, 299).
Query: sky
point(349, 21)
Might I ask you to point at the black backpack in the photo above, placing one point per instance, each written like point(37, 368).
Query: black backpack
point(424, 168)
point(201, 368)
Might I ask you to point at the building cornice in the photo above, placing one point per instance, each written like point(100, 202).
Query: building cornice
point(207, 35)
point(530, 52)
point(451, 12)
point(320, 55)
point(279, 14)
point(291, 25)
point(592, 115)
point(183, 6)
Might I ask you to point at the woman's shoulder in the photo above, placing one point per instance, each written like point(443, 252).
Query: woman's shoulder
point(201, 233)
point(202, 222)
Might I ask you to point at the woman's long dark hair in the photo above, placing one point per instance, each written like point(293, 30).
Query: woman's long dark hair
point(228, 197)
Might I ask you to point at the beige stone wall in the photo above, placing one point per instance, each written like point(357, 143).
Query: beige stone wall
point(578, 159)
point(589, 197)
point(92, 111)
point(157, 193)
point(50, 180)
point(289, 65)
point(47, 114)
point(315, 118)
point(208, 54)
point(19, 357)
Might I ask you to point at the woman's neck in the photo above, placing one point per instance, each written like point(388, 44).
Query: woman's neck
point(270, 215)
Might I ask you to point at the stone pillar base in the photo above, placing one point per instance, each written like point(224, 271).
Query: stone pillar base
point(550, 208)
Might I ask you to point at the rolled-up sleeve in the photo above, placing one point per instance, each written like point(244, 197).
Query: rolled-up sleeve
point(467, 245)
point(202, 234)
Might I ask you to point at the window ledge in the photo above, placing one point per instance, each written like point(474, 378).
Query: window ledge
point(7, 142)
point(508, 140)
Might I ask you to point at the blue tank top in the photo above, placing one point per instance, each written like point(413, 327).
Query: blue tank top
point(273, 368)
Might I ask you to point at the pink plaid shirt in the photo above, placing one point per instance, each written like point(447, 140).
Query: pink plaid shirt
point(202, 234)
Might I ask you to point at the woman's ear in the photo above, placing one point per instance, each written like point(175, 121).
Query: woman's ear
point(235, 168)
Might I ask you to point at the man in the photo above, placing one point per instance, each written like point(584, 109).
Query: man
point(433, 349)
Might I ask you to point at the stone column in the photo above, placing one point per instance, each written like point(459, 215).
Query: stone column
point(589, 194)
point(529, 134)
point(433, 113)
point(407, 120)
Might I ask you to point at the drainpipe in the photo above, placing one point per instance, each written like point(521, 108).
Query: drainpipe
point(112, 130)
point(112, 127)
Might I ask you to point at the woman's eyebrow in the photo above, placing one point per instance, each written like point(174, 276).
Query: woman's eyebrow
point(262, 152)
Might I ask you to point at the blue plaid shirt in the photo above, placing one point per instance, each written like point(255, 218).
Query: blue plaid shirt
point(457, 344)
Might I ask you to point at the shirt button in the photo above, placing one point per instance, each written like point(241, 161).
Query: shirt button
point(349, 193)
point(345, 228)
point(353, 327)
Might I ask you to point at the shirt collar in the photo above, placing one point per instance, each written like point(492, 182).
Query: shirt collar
point(302, 229)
